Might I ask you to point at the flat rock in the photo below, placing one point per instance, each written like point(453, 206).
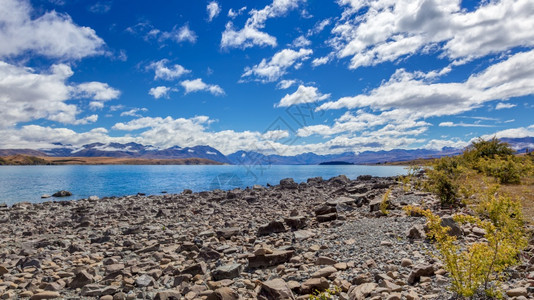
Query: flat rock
point(324, 272)
point(168, 295)
point(326, 218)
point(226, 272)
point(272, 227)
point(269, 260)
point(324, 260)
point(276, 289)
point(45, 295)
point(313, 284)
point(361, 291)
point(517, 292)
point(303, 234)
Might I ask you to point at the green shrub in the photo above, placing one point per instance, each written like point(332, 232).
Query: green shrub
point(487, 149)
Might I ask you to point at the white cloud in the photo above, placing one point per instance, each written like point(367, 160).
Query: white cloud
point(96, 90)
point(161, 91)
point(304, 94)
point(300, 42)
point(179, 35)
point(251, 34)
point(51, 34)
point(213, 9)
point(519, 132)
point(94, 105)
point(196, 85)
point(372, 32)
point(285, 84)
point(462, 124)
point(233, 14)
point(502, 105)
point(320, 61)
point(503, 80)
point(100, 7)
point(27, 95)
point(133, 112)
point(161, 71)
point(276, 67)
point(320, 26)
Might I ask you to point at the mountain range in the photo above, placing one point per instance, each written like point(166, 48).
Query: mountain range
point(134, 150)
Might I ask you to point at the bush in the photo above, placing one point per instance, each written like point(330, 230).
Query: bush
point(479, 266)
point(384, 204)
point(487, 149)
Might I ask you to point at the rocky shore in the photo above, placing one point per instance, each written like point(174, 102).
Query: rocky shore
point(277, 242)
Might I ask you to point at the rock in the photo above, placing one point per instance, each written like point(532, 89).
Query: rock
point(226, 293)
point(418, 271)
point(62, 193)
point(272, 227)
point(375, 205)
point(288, 183)
point(81, 279)
point(478, 231)
point(296, 223)
point(303, 234)
point(326, 218)
point(517, 292)
point(312, 284)
point(195, 269)
point(168, 295)
point(392, 287)
point(325, 209)
point(406, 262)
point(226, 272)
point(417, 232)
point(45, 196)
point(339, 180)
point(45, 295)
point(96, 290)
point(93, 198)
point(276, 289)
point(455, 229)
point(324, 272)
point(269, 260)
point(341, 201)
point(144, 280)
point(228, 232)
point(106, 297)
point(361, 291)
point(394, 296)
point(3, 270)
point(324, 260)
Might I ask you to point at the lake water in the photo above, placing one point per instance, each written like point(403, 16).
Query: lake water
point(28, 183)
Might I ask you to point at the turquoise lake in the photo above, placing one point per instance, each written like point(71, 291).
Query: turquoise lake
point(28, 183)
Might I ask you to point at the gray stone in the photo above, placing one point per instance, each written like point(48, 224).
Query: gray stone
point(276, 289)
point(62, 193)
point(144, 280)
point(226, 272)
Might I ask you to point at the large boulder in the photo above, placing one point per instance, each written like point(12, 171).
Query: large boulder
point(288, 183)
point(276, 289)
point(226, 272)
point(361, 291)
point(272, 227)
point(62, 193)
point(269, 260)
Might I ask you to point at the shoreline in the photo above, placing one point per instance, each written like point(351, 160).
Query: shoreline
point(288, 239)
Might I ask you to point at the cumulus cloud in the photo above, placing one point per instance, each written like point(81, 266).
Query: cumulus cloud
point(234, 13)
point(502, 105)
point(197, 85)
point(300, 42)
point(304, 94)
point(213, 9)
point(27, 95)
point(161, 91)
point(286, 83)
point(96, 91)
point(161, 71)
point(52, 34)
point(376, 31)
point(320, 61)
point(134, 112)
point(182, 34)
point(276, 67)
point(251, 34)
point(503, 80)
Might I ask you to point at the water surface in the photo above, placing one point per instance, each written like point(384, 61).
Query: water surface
point(28, 183)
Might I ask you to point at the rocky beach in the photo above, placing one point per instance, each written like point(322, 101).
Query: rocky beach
point(276, 242)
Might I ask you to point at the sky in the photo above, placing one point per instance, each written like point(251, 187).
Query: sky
point(278, 77)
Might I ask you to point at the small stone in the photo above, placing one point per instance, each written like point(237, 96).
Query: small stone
point(312, 284)
point(516, 292)
point(226, 293)
point(418, 271)
point(341, 266)
point(144, 280)
point(3, 270)
point(272, 227)
point(226, 272)
point(81, 279)
point(168, 295)
point(62, 193)
point(324, 272)
point(45, 295)
point(276, 289)
point(106, 297)
point(417, 232)
point(323, 260)
point(406, 262)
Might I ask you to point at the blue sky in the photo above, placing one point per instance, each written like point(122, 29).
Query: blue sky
point(282, 76)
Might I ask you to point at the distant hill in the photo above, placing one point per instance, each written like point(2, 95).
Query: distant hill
point(138, 151)
point(49, 160)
